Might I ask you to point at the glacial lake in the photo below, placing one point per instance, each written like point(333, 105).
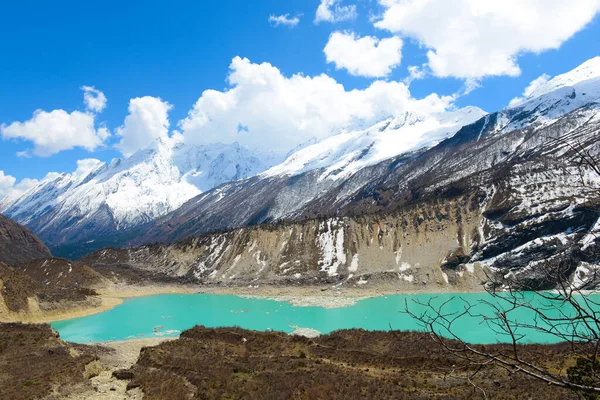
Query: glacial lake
point(168, 315)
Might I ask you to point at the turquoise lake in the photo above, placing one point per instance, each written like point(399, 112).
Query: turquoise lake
point(168, 315)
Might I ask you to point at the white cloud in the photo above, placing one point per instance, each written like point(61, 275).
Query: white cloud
point(471, 84)
point(24, 154)
point(55, 131)
point(7, 182)
point(24, 185)
point(285, 19)
point(280, 112)
point(367, 56)
point(476, 38)
point(85, 166)
point(94, 99)
point(58, 130)
point(529, 90)
point(147, 121)
point(415, 73)
point(332, 11)
point(10, 188)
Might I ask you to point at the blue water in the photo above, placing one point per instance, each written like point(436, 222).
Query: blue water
point(168, 315)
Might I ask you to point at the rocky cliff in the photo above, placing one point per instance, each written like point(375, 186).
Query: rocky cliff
point(400, 251)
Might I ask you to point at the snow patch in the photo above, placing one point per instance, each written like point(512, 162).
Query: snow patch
point(331, 243)
point(353, 264)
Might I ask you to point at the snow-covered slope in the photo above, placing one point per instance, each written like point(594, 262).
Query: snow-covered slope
point(585, 72)
point(344, 154)
point(553, 99)
point(99, 198)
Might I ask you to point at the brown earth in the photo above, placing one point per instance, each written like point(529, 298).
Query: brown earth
point(29, 295)
point(19, 291)
point(351, 364)
point(234, 363)
point(35, 363)
point(18, 244)
point(62, 273)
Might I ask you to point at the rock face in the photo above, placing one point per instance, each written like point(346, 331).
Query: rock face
point(89, 208)
point(393, 252)
point(18, 244)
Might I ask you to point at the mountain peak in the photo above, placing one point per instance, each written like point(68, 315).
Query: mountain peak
point(129, 192)
point(343, 154)
point(585, 72)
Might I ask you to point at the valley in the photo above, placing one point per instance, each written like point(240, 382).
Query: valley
point(317, 255)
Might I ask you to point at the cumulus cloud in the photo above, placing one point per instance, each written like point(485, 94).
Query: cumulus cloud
point(367, 56)
point(94, 99)
point(147, 121)
point(285, 20)
point(279, 112)
point(530, 89)
point(10, 188)
point(7, 182)
point(474, 39)
point(58, 130)
point(55, 131)
point(332, 11)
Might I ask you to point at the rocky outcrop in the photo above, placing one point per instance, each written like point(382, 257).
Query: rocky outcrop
point(18, 244)
point(401, 252)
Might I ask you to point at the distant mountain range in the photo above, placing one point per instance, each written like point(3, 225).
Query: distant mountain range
point(503, 190)
point(100, 200)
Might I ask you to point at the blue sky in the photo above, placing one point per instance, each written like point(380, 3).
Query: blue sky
point(175, 50)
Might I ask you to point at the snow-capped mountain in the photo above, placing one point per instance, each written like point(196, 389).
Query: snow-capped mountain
point(576, 78)
point(503, 195)
point(327, 177)
point(342, 155)
point(100, 198)
point(553, 99)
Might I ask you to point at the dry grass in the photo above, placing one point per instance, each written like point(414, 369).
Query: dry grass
point(17, 287)
point(35, 363)
point(234, 363)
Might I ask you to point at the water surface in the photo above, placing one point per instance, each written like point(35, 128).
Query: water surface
point(169, 314)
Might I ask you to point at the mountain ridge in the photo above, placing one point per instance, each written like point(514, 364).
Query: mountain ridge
point(101, 199)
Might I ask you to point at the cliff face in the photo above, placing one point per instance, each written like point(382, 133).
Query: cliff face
point(398, 252)
point(18, 244)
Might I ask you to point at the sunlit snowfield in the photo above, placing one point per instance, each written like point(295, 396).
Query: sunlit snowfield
point(168, 315)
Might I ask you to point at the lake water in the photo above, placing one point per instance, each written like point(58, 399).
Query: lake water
point(168, 315)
